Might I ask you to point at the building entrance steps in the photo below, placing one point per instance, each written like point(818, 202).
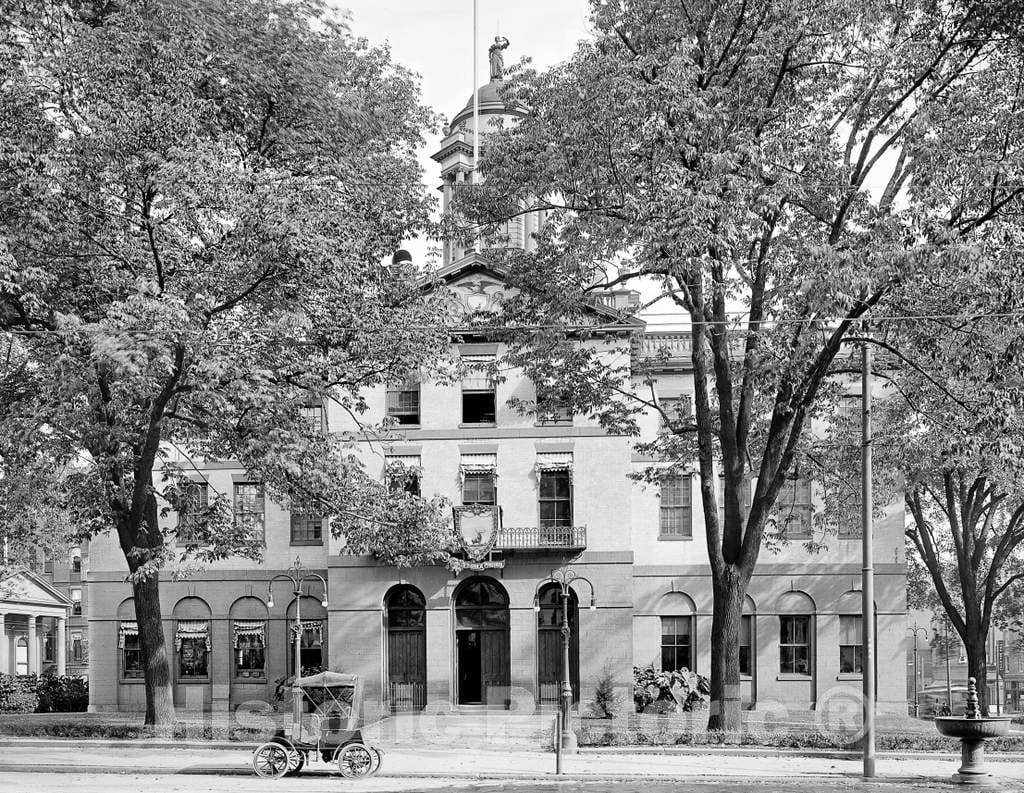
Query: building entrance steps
point(493, 730)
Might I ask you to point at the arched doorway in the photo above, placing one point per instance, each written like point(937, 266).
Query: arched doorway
point(405, 614)
point(549, 644)
point(482, 657)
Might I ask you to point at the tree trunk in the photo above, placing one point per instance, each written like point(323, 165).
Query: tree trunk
point(977, 666)
point(155, 661)
point(157, 668)
point(726, 701)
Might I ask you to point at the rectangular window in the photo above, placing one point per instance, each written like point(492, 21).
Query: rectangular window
point(76, 647)
point(552, 407)
point(48, 645)
point(746, 496)
point(249, 507)
point(478, 488)
point(192, 658)
point(314, 417)
point(250, 655)
point(192, 641)
point(307, 529)
point(851, 644)
point(478, 390)
point(131, 651)
point(793, 508)
point(555, 499)
point(76, 562)
point(76, 601)
point(403, 402)
point(195, 501)
point(795, 645)
point(675, 518)
point(746, 645)
point(677, 412)
point(675, 643)
point(402, 472)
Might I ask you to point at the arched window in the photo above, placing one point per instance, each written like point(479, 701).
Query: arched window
point(550, 653)
point(249, 638)
point(796, 633)
point(21, 656)
point(406, 616)
point(192, 638)
point(677, 650)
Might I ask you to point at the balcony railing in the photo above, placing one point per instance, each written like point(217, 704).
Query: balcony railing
point(541, 539)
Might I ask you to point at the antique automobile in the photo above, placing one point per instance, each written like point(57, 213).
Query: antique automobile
point(324, 724)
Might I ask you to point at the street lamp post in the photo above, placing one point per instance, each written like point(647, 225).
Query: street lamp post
point(564, 577)
point(949, 688)
point(914, 629)
point(297, 575)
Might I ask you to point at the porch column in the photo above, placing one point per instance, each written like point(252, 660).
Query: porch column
point(62, 647)
point(33, 646)
point(5, 643)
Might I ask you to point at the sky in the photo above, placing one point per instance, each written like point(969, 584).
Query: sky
point(435, 39)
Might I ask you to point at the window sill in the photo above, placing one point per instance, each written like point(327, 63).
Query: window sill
point(132, 681)
point(306, 542)
point(553, 424)
point(192, 681)
point(400, 427)
point(849, 676)
point(261, 680)
point(746, 678)
point(473, 424)
point(674, 538)
point(793, 676)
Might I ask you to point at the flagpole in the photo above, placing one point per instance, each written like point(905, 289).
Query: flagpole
point(476, 102)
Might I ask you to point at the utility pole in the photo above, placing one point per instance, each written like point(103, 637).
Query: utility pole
point(915, 629)
point(868, 569)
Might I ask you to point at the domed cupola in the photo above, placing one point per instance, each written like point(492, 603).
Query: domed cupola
point(455, 154)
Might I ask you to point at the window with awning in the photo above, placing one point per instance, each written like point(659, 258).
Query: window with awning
point(250, 639)
point(192, 641)
point(129, 650)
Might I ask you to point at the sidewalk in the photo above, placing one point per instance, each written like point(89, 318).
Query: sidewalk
point(32, 755)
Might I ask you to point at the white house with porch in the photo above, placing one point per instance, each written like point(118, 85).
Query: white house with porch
point(33, 625)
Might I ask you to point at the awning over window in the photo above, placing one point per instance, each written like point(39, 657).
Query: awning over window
point(192, 629)
point(312, 629)
point(478, 376)
point(408, 460)
point(478, 464)
point(554, 461)
point(256, 629)
point(126, 629)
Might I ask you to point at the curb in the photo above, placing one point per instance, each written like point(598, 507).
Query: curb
point(802, 779)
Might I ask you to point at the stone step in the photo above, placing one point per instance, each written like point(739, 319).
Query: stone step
point(491, 730)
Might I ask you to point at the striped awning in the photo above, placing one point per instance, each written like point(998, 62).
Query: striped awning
point(192, 629)
point(313, 629)
point(256, 629)
point(126, 629)
point(554, 461)
point(478, 464)
point(408, 460)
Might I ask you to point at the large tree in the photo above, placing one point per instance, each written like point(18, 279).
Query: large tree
point(955, 432)
point(773, 170)
point(194, 202)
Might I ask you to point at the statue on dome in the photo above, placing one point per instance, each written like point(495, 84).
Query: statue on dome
point(497, 58)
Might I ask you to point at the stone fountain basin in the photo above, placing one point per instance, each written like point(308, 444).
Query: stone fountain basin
point(959, 727)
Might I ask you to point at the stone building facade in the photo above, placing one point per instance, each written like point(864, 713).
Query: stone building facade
point(487, 637)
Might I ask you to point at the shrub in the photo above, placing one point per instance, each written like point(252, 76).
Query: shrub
point(18, 694)
point(606, 700)
point(67, 694)
point(681, 691)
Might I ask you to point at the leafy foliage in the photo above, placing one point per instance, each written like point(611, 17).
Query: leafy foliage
point(194, 202)
point(18, 694)
point(774, 171)
point(678, 691)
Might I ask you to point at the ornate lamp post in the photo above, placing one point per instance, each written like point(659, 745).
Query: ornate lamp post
point(297, 575)
point(914, 629)
point(564, 577)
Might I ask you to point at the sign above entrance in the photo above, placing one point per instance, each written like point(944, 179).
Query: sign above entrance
point(477, 526)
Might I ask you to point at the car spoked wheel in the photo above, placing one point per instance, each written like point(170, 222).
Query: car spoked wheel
point(355, 760)
point(270, 761)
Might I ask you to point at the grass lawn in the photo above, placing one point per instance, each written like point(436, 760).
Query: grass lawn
point(803, 730)
point(127, 725)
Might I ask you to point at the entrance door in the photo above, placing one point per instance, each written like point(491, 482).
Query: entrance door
point(470, 677)
point(482, 657)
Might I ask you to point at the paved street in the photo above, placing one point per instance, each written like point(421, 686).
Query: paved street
point(132, 783)
point(31, 765)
